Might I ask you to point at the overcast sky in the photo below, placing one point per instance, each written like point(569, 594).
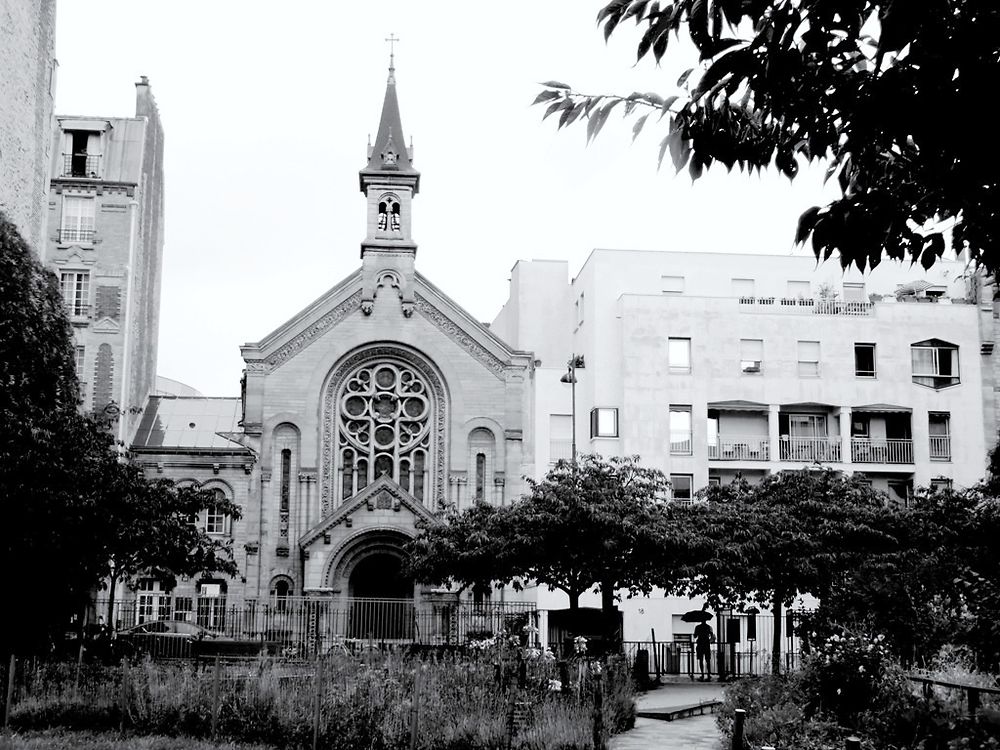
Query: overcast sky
point(267, 108)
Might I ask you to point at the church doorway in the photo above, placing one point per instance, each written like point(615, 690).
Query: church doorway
point(381, 599)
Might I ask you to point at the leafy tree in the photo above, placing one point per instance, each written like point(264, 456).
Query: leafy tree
point(74, 511)
point(597, 522)
point(794, 533)
point(892, 94)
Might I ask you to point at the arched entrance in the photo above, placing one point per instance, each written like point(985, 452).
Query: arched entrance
point(379, 596)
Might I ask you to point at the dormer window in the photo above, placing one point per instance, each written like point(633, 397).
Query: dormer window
point(81, 153)
point(389, 214)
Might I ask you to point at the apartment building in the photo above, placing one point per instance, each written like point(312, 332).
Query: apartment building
point(712, 365)
point(105, 243)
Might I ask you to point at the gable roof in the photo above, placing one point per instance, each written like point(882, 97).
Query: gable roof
point(189, 423)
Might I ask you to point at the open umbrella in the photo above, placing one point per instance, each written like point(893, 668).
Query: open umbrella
point(697, 615)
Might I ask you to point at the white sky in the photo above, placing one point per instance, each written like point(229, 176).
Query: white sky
point(267, 108)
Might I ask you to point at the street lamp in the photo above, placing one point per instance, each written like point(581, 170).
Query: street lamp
point(575, 361)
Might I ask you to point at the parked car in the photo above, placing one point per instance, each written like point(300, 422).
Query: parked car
point(175, 639)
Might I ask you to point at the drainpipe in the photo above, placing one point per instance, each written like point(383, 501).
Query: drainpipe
point(123, 416)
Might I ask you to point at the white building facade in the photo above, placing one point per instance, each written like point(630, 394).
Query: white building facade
point(711, 365)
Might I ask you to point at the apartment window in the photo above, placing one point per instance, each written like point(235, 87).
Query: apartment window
point(216, 521)
point(183, 608)
point(212, 604)
point(864, 360)
point(941, 484)
point(680, 430)
point(939, 429)
point(579, 310)
point(679, 355)
point(680, 487)
point(78, 220)
point(935, 363)
point(751, 356)
point(714, 481)
point(900, 490)
point(81, 354)
point(743, 287)
point(808, 359)
point(798, 290)
point(81, 153)
point(604, 422)
point(76, 292)
point(672, 284)
point(854, 292)
point(560, 437)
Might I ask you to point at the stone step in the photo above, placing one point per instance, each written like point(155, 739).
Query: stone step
point(671, 713)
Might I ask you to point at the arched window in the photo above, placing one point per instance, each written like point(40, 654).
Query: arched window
point(281, 589)
point(217, 522)
point(482, 458)
point(389, 213)
point(383, 428)
point(286, 456)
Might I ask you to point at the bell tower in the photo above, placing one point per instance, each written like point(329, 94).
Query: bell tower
point(389, 183)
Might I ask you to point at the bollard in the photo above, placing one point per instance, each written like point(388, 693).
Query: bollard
point(598, 734)
point(738, 720)
point(973, 701)
point(852, 743)
point(319, 701)
point(10, 692)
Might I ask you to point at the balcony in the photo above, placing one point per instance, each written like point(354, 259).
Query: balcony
point(940, 447)
point(82, 165)
point(78, 313)
point(740, 448)
point(810, 449)
point(801, 306)
point(67, 236)
point(886, 451)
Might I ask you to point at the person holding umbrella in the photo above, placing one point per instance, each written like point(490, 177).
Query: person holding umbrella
point(703, 638)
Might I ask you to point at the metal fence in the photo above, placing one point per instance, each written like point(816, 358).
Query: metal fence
point(305, 625)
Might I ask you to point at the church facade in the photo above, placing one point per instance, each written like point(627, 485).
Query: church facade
point(376, 406)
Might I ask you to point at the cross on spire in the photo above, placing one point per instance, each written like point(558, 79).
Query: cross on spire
point(392, 39)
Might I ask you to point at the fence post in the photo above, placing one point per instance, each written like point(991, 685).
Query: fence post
point(415, 713)
point(319, 702)
point(123, 697)
point(215, 696)
point(10, 692)
point(973, 701)
point(738, 719)
point(598, 736)
point(852, 743)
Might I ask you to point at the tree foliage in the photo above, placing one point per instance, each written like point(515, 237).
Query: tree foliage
point(74, 511)
point(893, 95)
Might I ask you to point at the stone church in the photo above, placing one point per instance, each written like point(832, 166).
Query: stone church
point(377, 405)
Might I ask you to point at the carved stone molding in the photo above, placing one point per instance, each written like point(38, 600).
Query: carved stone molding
point(490, 361)
point(310, 334)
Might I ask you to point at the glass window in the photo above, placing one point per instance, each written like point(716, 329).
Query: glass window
point(76, 292)
point(939, 429)
point(672, 284)
point(935, 363)
point(743, 287)
point(679, 355)
point(941, 484)
point(854, 292)
point(798, 290)
point(216, 522)
point(680, 430)
point(81, 353)
point(864, 360)
point(751, 356)
point(78, 219)
point(604, 422)
point(681, 487)
point(808, 359)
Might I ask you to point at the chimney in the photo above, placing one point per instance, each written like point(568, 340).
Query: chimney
point(143, 97)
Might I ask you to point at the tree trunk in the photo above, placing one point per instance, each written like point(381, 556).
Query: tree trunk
point(612, 637)
point(776, 638)
point(574, 599)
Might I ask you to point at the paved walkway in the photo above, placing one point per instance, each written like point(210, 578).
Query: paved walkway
point(694, 733)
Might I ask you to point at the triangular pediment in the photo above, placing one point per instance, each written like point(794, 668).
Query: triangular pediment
point(382, 494)
point(107, 325)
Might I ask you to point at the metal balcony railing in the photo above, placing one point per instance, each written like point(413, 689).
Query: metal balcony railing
point(886, 451)
point(76, 235)
point(82, 165)
point(680, 443)
point(77, 312)
point(940, 447)
point(820, 450)
point(740, 448)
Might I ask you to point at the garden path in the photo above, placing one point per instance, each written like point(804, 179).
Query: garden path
point(694, 733)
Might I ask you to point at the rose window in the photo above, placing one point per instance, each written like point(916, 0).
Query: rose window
point(384, 428)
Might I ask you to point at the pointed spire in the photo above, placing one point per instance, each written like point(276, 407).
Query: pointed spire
point(389, 153)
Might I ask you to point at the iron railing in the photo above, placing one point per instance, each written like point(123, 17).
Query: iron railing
point(940, 446)
point(887, 451)
point(741, 448)
point(76, 235)
point(82, 165)
point(810, 449)
point(680, 443)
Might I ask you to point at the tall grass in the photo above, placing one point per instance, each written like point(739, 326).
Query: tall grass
point(459, 703)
